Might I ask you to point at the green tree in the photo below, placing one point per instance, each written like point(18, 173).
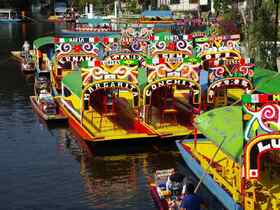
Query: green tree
point(222, 6)
point(164, 7)
point(133, 7)
point(262, 37)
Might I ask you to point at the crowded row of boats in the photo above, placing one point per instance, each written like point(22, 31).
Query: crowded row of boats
point(141, 83)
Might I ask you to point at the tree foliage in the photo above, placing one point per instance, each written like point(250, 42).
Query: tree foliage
point(262, 36)
point(222, 6)
point(164, 7)
point(132, 7)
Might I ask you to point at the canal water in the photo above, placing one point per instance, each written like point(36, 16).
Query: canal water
point(45, 168)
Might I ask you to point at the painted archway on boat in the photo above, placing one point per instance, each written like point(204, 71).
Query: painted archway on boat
point(178, 81)
point(111, 84)
point(234, 82)
point(255, 150)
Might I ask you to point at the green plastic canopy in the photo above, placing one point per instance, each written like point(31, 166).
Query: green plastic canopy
point(42, 41)
point(73, 81)
point(267, 81)
point(220, 123)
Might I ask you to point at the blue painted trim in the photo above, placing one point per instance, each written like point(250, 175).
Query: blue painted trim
point(213, 187)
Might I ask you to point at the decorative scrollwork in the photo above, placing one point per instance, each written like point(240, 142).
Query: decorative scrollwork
point(88, 47)
point(66, 48)
point(267, 116)
point(136, 46)
point(181, 45)
point(161, 45)
point(219, 71)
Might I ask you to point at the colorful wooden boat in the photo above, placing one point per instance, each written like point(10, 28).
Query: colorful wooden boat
point(158, 191)
point(27, 63)
point(244, 161)
point(9, 16)
point(172, 94)
point(91, 27)
point(46, 107)
point(103, 110)
point(151, 80)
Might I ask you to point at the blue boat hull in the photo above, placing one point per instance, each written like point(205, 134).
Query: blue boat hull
point(213, 187)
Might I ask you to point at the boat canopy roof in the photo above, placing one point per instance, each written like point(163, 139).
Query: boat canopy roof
point(267, 81)
point(42, 41)
point(7, 10)
point(224, 122)
point(73, 82)
point(157, 13)
point(60, 9)
point(94, 21)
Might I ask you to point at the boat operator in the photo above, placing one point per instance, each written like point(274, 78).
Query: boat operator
point(191, 200)
point(25, 49)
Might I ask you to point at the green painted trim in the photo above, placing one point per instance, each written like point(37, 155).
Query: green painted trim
point(42, 41)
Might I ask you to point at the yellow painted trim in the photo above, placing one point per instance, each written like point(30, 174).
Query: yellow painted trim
point(253, 143)
point(169, 78)
point(116, 80)
point(220, 52)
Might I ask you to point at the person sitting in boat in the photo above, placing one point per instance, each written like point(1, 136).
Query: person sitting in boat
point(44, 94)
point(191, 200)
point(176, 183)
point(25, 48)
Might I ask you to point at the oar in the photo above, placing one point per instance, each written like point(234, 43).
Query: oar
point(209, 165)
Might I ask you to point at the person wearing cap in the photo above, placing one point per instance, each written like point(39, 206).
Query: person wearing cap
point(191, 200)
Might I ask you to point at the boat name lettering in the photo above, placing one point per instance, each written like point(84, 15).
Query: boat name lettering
point(111, 62)
point(276, 97)
point(76, 39)
point(174, 60)
point(271, 144)
point(66, 59)
point(113, 84)
point(173, 56)
point(164, 83)
point(124, 57)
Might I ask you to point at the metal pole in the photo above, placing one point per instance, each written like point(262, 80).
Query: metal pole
point(276, 32)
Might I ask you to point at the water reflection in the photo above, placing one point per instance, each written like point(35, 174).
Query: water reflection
point(119, 180)
point(49, 168)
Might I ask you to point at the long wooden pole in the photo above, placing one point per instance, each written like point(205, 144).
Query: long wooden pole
point(209, 165)
point(276, 32)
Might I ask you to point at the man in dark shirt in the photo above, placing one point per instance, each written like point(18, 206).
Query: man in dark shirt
point(175, 183)
point(191, 201)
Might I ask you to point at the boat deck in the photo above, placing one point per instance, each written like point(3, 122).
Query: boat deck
point(227, 174)
point(235, 93)
point(174, 122)
point(121, 124)
point(18, 57)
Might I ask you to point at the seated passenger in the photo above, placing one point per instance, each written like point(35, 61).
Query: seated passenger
point(176, 183)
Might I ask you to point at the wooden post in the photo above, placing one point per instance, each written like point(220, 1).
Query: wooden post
point(195, 137)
